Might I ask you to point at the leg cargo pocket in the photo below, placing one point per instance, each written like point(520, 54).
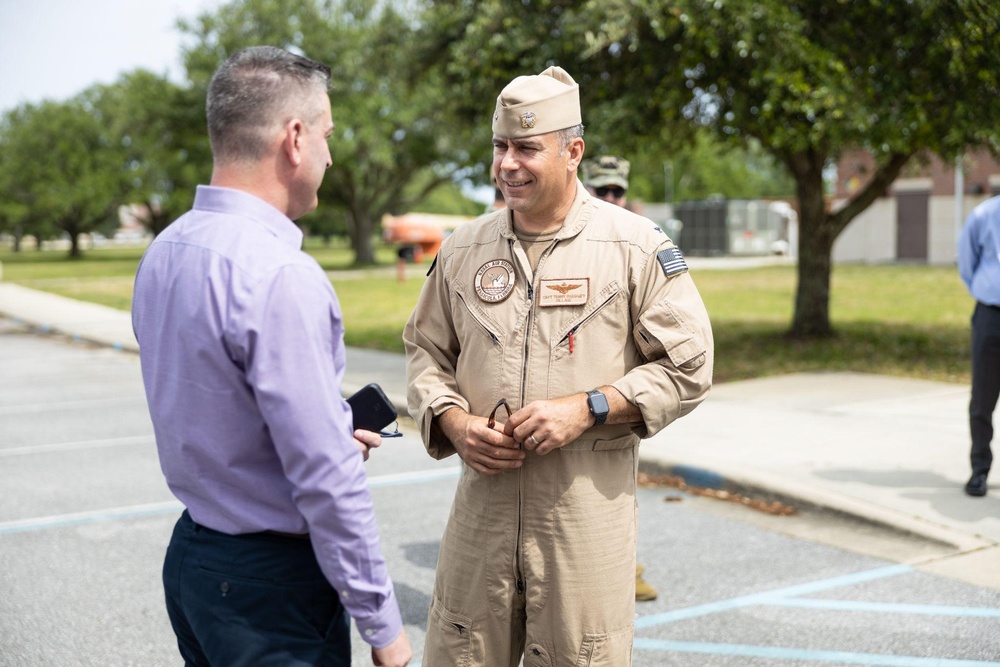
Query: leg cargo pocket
point(609, 649)
point(449, 638)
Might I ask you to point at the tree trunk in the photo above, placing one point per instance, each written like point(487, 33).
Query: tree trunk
point(816, 236)
point(361, 238)
point(74, 245)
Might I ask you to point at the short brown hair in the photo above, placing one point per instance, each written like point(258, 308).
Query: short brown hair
point(254, 90)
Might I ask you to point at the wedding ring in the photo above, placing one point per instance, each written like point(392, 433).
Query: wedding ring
point(532, 438)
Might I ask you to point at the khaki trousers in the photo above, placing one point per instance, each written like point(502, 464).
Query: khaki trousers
point(540, 562)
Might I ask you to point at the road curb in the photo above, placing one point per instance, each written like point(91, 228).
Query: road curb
point(769, 487)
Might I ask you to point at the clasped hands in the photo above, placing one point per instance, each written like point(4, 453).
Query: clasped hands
point(490, 447)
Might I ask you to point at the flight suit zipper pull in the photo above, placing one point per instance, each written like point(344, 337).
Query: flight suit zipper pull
point(571, 342)
point(520, 586)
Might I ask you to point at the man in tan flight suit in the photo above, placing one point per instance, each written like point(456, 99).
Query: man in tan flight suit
point(582, 319)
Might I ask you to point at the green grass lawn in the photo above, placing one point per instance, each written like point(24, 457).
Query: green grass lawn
point(896, 320)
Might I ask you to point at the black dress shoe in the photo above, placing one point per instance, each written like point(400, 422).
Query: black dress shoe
point(976, 485)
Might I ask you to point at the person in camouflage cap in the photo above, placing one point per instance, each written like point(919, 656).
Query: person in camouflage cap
point(607, 178)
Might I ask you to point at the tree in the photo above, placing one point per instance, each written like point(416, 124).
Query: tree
point(160, 127)
point(807, 79)
point(386, 108)
point(705, 168)
point(62, 170)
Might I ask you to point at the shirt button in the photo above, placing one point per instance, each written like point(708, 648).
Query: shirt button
point(343, 595)
point(369, 633)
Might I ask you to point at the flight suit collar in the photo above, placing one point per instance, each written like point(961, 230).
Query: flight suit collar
point(579, 215)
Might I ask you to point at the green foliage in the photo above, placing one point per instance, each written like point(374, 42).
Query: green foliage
point(386, 106)
point(161, 128)
point(62, 170)
point(704, 169)
point(447, 199)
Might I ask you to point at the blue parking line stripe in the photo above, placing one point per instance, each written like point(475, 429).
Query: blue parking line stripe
point(766, 597)
point(887, 608)
point(782, 653)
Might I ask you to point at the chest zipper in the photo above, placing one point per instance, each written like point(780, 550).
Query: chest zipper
point(518, 570)
point(568, 338)
point(518, 565)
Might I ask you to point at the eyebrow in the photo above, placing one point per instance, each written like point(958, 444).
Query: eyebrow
point(527, 142)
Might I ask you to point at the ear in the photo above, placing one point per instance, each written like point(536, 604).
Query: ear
point(575, 150)
point(291, 141)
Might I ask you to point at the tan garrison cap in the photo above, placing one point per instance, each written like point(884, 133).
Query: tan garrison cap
point(600, 172)
point(538, 104)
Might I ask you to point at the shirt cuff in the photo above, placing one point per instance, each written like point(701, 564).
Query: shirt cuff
point(381, 629)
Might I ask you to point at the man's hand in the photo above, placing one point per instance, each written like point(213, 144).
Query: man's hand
point(396, 654)
point(546, 425)
point(484, 449)
point(366, 441)
point(543, 426)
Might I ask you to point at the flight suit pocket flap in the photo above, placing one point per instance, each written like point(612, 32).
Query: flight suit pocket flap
point(449, 637)
point(608, 649)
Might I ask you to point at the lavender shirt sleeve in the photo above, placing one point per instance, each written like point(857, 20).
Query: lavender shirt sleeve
point(293, 341)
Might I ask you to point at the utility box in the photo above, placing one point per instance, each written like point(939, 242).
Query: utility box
point(737, 227)
point(704, 232)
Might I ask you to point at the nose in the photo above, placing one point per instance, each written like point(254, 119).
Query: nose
point(508, 162)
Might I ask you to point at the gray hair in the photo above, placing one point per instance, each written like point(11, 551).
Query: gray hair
point(567, 135)
point(256, 90)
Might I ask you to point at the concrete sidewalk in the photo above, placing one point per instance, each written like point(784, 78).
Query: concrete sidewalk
point(889, 451)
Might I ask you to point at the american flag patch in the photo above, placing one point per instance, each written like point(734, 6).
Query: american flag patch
point(672, 261)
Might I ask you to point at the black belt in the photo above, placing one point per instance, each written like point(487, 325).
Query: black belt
point(294, 536)
point(273, 533)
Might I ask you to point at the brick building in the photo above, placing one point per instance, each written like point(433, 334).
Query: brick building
point(920, 217)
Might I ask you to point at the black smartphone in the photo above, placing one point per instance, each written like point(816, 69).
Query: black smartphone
point(372, 409)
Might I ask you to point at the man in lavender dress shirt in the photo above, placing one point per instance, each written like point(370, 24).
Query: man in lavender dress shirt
point(241, 344)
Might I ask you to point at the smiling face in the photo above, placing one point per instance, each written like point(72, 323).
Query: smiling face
point(537, 176)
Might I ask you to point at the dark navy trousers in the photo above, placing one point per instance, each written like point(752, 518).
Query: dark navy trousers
point(985, 383)
point(254, 600)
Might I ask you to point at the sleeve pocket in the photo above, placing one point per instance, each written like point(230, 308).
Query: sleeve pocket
point(662, 332)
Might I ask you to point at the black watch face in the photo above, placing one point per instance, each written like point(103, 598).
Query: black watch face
point(598, 404)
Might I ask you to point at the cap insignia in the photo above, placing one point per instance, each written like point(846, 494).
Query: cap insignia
point(528, 120)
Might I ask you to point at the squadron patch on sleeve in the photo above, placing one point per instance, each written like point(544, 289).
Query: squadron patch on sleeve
point(671, 261)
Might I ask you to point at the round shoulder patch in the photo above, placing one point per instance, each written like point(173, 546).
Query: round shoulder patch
point(495, 280)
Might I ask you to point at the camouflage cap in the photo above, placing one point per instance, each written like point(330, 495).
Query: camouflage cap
point(605, 170)
point(537, 104)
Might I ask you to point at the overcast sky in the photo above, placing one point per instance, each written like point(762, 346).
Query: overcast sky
point(53, 49)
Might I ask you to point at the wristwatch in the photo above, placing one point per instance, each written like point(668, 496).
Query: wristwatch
point(598, 404)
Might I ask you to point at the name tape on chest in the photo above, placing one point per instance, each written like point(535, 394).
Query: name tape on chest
point(671, 261)
point(563, 291)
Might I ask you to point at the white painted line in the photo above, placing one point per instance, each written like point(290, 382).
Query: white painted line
point(82, 444)
point(173, 506)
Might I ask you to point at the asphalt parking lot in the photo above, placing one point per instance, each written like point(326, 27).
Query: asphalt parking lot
point(86, 516)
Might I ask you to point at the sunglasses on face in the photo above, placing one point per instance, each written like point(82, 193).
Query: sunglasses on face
point(616, 192)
